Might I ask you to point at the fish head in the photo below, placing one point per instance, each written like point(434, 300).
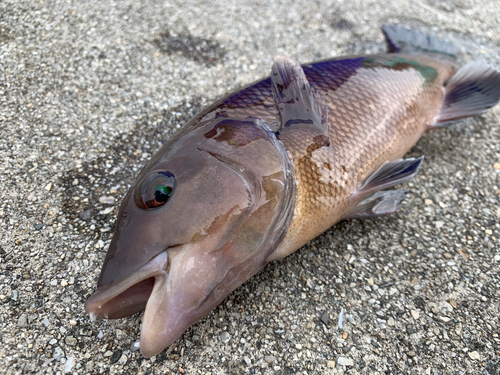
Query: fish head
point(201, 219)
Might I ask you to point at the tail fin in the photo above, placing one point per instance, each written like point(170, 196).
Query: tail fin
point(403, 40)
point(470, 92)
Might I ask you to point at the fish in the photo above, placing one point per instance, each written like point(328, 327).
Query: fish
point(259, 173)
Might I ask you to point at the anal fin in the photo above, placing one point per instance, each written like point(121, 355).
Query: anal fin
point(378, 204)
point(470, 92)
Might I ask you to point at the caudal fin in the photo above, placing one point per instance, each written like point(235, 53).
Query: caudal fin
point(470, 92)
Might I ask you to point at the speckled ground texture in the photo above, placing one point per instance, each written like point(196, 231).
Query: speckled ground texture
point(90, 90)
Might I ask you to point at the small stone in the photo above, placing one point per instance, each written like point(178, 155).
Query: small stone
point(444, 319)
point(224, 337)
point(496, 166)
point(107, 200)
point(23, 321)
point(411, 353)
point(53, 341)
point(330, 364)
point(344, 361)
point(174, 356)
point(370, 281)
point(415, 314)
point(75, 182)
point(38, 226)
point(448, 255)
point(64, 283)
point(123, 359)
point(134, 347)
point(474, 356)
point(344, 335)
point(70, 340)
point(269, 358)
point(325, 318)
point(115, 357)
point(247, 360)
point(72, 322)
point(58, 354)
point(428, 202)
point(89, 366)
point(48, 187)
point(390, 321)
point(453, 303)
point(119, 334)
point(298, 346)
point(109, 353)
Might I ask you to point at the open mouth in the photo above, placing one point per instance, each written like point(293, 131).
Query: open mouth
point(130, 295)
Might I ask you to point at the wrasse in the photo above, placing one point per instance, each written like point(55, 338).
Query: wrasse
point(261, 172)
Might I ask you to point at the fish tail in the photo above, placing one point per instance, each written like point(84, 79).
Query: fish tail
point(469, 92)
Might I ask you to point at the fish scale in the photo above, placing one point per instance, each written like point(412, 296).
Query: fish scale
point(264, 170)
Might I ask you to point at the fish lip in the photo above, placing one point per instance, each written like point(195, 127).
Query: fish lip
point(96, 304)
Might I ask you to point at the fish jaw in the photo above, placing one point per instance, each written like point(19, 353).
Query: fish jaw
point(129, 295)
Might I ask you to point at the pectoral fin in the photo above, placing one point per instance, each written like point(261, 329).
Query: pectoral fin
point(369, 197)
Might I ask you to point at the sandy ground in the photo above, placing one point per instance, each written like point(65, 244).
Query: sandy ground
point(89, 90)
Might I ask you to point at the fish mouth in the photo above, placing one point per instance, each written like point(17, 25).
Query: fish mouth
point(130, 295)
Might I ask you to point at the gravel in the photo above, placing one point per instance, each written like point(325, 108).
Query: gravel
point(90, 90)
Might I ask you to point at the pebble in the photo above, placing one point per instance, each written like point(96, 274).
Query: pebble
point(123, 359)
point(225, 337)
point(53, 342)
point(330, 364)
point(58, 354)
point(415, 314)
point(247, 360)
point(70, 340)
point(344, 361)
point(474, 356)
point(496, 166)
point(134, 347)
point(107, 200)
point(325, 318)
point(390, 321)
point(298, 346)
point(269, 358)
point(23, 321)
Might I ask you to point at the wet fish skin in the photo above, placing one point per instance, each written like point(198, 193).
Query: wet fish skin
point(266, 169)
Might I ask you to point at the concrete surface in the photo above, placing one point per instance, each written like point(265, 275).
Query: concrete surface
point(90, 89)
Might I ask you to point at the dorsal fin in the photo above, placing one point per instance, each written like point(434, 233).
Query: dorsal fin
point(403, 40)
point(300, 106)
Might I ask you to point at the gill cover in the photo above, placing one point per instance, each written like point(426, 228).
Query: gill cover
point(202, 218)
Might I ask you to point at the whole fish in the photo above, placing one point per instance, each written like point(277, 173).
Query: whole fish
point(264, 170)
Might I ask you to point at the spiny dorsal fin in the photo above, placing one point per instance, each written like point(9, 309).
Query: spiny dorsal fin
point(300, 106)
point(403, 40)
point(469, 92)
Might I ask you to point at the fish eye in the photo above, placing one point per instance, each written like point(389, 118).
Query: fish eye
point(155, 190)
